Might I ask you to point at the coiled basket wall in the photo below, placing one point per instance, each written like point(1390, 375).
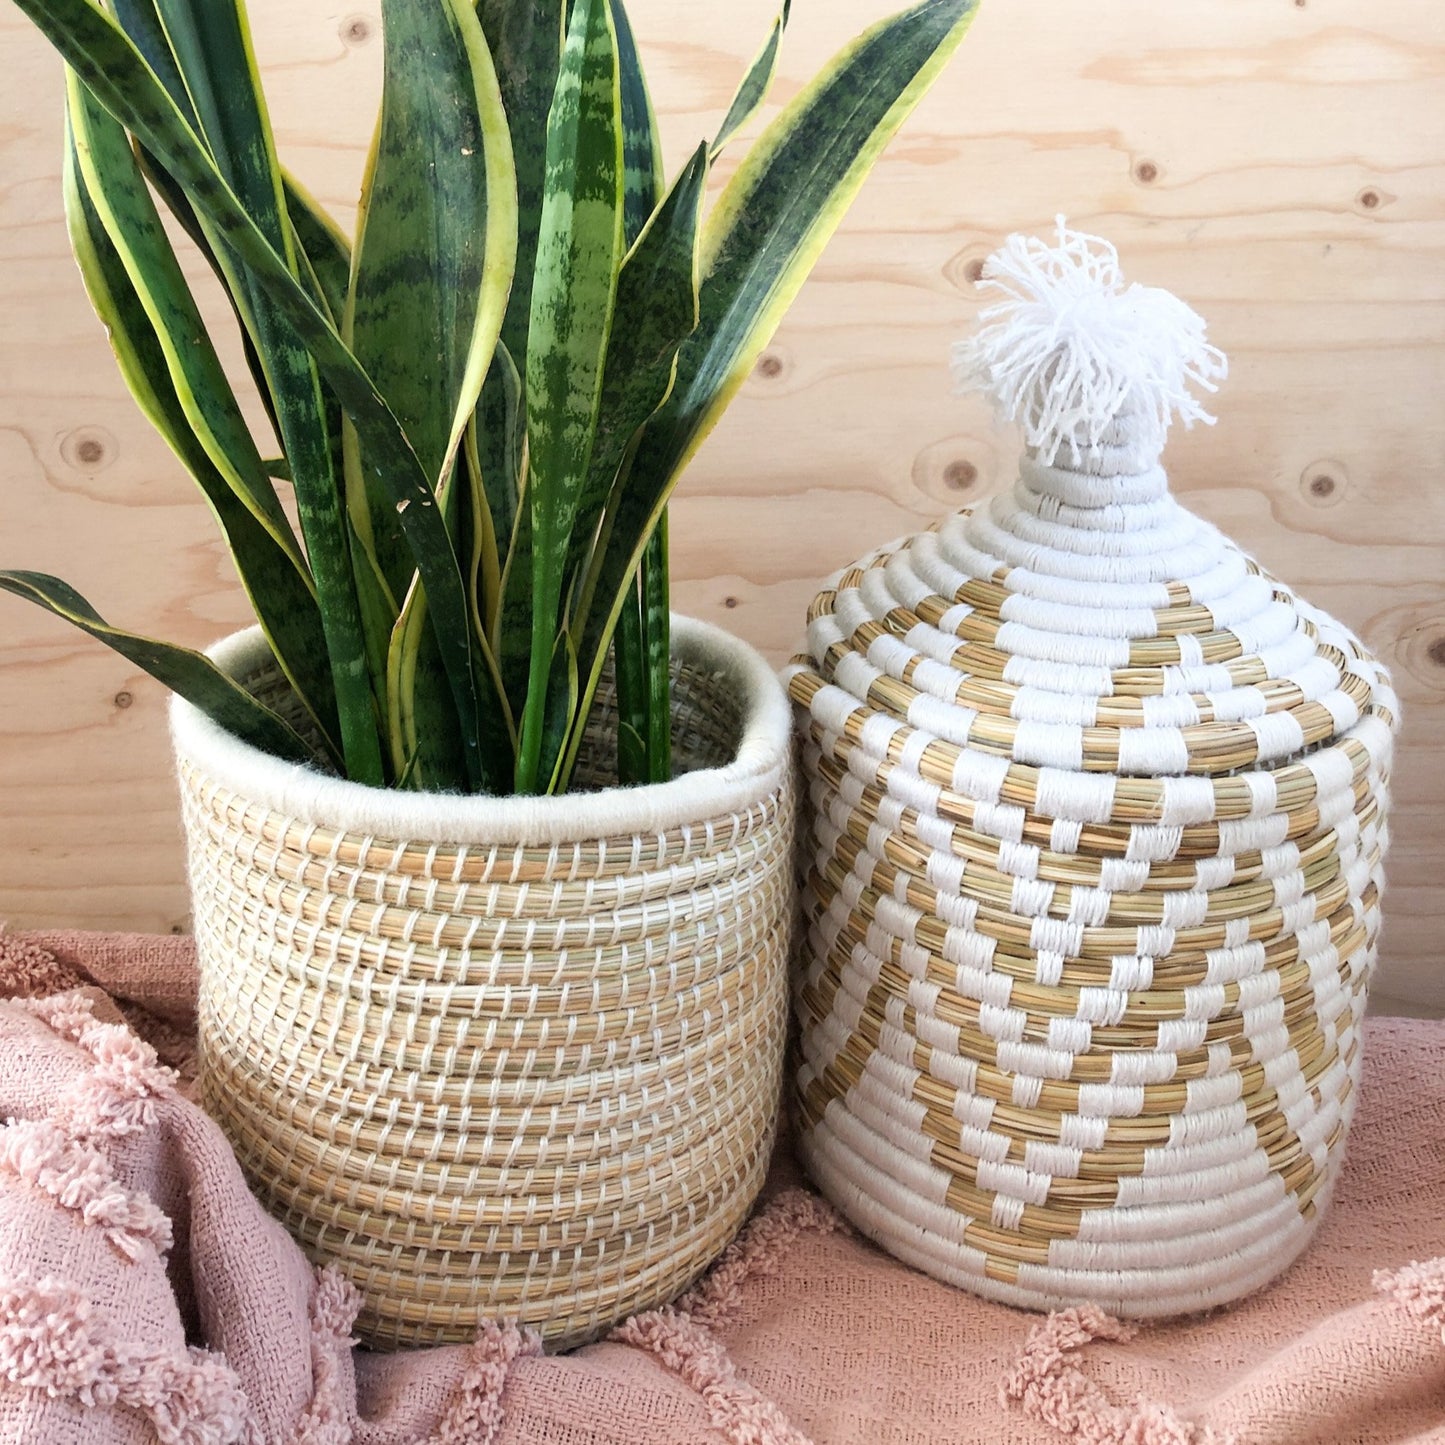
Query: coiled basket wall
point(1092, 866)
point(501, 1057)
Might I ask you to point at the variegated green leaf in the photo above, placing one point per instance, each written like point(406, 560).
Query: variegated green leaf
point(512, 631)
point(629, 651)
point(484, 575)
point(760, 242)
point(642, 179)
point(115, 187)
point(642, 648)
point(657, 310)
point(422, 731)
point(274, 578)
point(579, 253)
point(755, 84)
point(421, 720)
point(657, 639)
point(320, 240)
point(225, 269)
point(562, 693)
point(105, 59)
point(435, 247)
point(525, 40)
point(212, 48)
point(141, 20)
point(191, 675)
point(501, 438)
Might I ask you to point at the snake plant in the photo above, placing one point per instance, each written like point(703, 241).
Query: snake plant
point(483, 402)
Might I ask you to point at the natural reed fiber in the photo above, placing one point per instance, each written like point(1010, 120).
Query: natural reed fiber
point(1092, 863)
point(535, 1080)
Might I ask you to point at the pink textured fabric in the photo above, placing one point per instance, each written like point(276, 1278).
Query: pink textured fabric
point(144, 1295)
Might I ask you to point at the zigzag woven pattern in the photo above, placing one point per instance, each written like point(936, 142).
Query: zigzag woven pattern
point(1092, 871)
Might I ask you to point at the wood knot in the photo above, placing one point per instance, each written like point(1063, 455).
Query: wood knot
point(1436, 652)
point(964, 269)
point(1324, 482)
point(123, 699)
point(89, 449)
point(355, 30)
point(730, 602)
point(770, 364)
point(1146, 173)
point(960, 475)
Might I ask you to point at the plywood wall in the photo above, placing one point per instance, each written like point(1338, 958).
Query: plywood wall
point(1280, 163)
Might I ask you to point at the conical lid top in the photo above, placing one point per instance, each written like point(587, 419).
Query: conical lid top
point(1084, 620)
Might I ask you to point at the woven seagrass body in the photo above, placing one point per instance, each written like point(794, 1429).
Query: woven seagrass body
point(535, 1080)
point(1092, 867)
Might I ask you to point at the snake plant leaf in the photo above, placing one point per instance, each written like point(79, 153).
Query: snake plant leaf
point(323, 255)
point(657, 298)
point(484, 573)
point(275, 580)
point(191, 675)
point(324, 264)
point(755, 85)
point(502, 543)
point(631, 389)
point(321, 241)
point(525, 40)
point(88, 39)
point(631, 749)
point(421, 729)
point(500, 433)
point(421, 717)
point(212, 48)
point(428, 292)
point(435, 248)
point(115, 188)
point(656, 311)
point(579, 254)
point(224, 268)
point(760, 241)
point(142, 22)
point(657, 640)
point(642, 182)
point(512, 634)
point(642, 647)
point(629, 650)
point(562, 694)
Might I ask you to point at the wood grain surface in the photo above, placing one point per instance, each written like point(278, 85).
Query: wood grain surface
point(1279, 163)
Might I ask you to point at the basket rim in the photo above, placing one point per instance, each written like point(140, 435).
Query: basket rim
point(758, 769)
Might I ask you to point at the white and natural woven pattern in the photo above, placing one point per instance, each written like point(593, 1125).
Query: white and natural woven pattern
point(1092, 866)
point(510, 1058)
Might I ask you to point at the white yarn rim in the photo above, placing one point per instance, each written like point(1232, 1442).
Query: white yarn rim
point(763, 756)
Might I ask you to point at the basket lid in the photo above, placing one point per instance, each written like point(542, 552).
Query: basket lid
point(1084, 622)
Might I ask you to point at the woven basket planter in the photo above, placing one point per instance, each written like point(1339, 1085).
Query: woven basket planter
point(510, 1058)
point(1092, 852)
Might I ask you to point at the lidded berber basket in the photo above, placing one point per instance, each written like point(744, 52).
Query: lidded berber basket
point(1092, 849)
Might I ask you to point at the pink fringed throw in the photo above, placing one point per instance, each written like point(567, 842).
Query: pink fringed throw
point(144, 1296)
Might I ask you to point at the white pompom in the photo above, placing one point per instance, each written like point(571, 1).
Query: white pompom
point(1072, 350)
